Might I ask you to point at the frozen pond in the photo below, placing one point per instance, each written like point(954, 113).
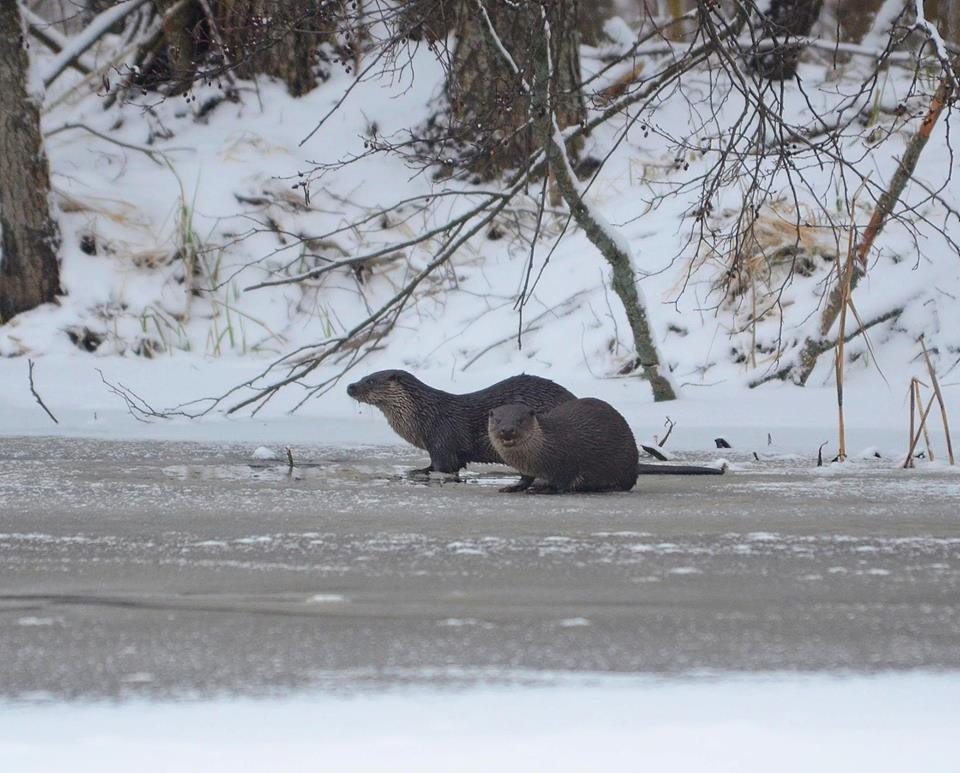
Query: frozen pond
point(168, 570)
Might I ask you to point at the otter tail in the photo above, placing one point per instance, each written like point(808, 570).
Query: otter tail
point(678, 469)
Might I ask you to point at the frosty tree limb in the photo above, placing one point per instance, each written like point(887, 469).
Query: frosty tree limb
point(933, 36)
point(883, 23)
point(814, 347)
point(95, 30)
point(610, 243)
point(881, 213)
point(44, 31)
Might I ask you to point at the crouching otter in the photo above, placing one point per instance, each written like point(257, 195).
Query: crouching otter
point(451, 428)
point(580, 445)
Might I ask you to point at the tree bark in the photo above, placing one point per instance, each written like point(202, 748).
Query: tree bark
point(180, 22)
point(489, 107)
point(29, 273)
point(279, 38)
point(856, 18)
point(274, 37)
point(786, 21)
point(593, 14)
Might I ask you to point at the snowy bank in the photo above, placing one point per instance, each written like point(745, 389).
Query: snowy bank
point(784, 723)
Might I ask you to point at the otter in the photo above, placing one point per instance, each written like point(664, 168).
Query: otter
point(581, 445)
point(451, 428)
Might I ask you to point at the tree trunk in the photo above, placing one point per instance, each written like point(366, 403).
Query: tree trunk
point(179, 30)
point(593, 14)
point(29, 274)
point(274, 37)
point(856, 18)
point(490, 108)
point(785, 22)
point(279, 38)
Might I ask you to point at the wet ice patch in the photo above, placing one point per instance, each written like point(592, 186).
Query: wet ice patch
point(465, 622)
point(466, 549)
point(256, 539)
point(763, 536)
point(137, 677)
point(326, 598)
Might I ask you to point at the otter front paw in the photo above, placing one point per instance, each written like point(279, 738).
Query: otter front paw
point(521, 485)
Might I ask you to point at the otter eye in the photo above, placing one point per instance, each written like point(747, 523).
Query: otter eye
point(530, 412)
point(489, 414)
point(393, 377)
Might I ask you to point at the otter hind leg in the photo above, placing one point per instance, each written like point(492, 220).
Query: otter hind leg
point(522, 485)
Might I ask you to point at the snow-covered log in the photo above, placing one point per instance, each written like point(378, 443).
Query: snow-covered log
point(95, 30)
point(44, 31)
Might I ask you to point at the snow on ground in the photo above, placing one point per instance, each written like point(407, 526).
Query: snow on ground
point(726, 723)
point(145, 213)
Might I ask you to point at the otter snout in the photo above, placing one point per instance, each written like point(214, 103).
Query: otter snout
point(353, 390)
point(508, 423)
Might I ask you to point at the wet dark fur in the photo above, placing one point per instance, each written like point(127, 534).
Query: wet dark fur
point(580, 445)
point(451, 428)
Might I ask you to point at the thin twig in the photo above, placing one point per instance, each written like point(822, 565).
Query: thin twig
point(139, 408)
point(33, 391)
point(153, 154)
point(916, 438)
point(926, 433)
point(936, 390)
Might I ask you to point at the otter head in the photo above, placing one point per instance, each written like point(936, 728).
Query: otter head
point(511, 424)
point(383, 388)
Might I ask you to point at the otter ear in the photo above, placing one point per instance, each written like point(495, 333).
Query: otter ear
point(490, 414)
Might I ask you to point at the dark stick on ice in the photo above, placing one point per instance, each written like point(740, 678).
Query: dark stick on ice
point(33, 391)
point(721, 443)
point(654, 452)
point(820, 453)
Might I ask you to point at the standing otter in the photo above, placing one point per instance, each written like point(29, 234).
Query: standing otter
point(581, 445)
point(451, 428)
